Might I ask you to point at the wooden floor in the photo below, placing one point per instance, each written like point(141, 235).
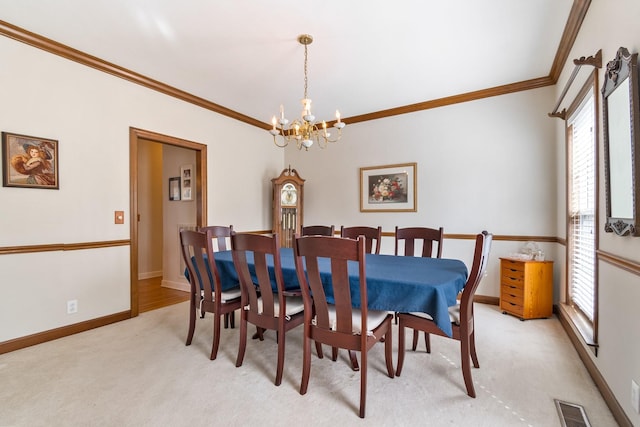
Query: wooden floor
point(152, 295)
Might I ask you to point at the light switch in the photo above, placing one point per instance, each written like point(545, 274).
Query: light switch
point(119, 217)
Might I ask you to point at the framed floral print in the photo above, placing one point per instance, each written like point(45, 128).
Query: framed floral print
point(389, 188)
point(29, 161)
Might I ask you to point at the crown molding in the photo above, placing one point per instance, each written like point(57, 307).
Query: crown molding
point(574, 22)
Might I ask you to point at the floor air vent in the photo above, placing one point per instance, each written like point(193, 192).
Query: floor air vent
point(571, 415)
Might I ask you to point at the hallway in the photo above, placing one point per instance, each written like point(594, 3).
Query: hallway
point(151, 295)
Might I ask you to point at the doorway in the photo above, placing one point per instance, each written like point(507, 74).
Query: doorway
point(200, 195)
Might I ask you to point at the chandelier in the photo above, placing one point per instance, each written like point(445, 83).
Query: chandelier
point(304, 131)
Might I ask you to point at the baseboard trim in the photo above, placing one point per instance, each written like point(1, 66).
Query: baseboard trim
point(53, 334)
point(180, 286)
point(484, 299)
point(601, 383)
point(149, 275)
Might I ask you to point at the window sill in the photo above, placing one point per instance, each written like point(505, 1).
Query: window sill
point(583, 328)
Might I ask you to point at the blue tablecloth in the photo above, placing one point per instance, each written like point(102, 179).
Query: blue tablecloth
point(394, 283)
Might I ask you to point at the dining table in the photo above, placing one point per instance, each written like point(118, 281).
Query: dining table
point(394, 283)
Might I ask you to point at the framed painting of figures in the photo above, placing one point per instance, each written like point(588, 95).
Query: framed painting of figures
point(29, 161)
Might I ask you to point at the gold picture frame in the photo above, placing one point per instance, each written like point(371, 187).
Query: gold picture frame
point(388, 188)
point(29, 162)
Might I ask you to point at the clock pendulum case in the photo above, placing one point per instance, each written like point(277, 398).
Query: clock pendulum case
point(288, 191)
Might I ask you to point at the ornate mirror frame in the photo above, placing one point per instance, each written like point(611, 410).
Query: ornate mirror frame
point(621, 130)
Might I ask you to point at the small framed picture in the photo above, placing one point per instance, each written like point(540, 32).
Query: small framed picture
point(390, 188)
point(29, 161)
point(186, 174)
point(174, 188)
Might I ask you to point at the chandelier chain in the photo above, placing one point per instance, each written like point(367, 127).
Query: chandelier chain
point(305, 72)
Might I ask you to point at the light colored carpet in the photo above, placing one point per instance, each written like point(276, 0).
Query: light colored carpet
point(139, 373)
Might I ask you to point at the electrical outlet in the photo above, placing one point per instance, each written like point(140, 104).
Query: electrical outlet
point(72, 306)
point(635, 396)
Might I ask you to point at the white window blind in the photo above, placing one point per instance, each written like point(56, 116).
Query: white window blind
point(582, 209)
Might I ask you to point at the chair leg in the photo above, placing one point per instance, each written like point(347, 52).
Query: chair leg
point(427, 342)
point(466, 365)
point(414, 346)
point(259, 334)
point(243, 340)
point(334, 353)
point(354, 360)
point(306, 362)
point(400, 348)
point(319, 350)
point(280, 365)
point(226, 320)
point(216, 336)
point(363, 382)
point(192, 320)
point(388, 351)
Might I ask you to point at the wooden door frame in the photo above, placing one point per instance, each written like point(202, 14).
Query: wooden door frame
point(135, 135)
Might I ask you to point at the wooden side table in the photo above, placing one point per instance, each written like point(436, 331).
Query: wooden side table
point(526, 288)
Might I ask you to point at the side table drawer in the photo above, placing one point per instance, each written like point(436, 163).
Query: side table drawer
point(513, 293)
point(510, 307)
point(508, 264)
point(512, 280)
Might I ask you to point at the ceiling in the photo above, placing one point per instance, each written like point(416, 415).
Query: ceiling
point(367, 55)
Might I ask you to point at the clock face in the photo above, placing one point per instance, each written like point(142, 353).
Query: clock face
point(288, 195)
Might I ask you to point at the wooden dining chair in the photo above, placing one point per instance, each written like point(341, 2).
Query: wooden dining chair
point(219, 235)
point(206, 290)
point(461, 316)
point(329, 314)
point(371, 234)
point(262, 306)
point(407, 238)
point(318, 230)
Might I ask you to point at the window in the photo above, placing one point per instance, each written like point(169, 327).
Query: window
point(582, 208)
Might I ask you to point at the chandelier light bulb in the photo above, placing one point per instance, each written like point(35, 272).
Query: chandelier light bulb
point(306, 106)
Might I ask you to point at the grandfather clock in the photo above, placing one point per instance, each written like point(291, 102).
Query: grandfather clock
point(288, 191)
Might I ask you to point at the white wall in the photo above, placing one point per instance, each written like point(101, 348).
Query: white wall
point(481, 165)
point(609, 25)
point(90, 113)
